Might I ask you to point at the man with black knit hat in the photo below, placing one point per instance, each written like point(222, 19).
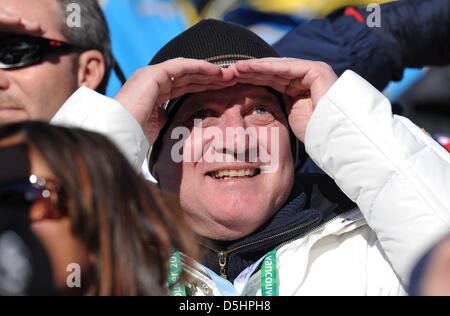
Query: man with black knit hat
point(221, 110)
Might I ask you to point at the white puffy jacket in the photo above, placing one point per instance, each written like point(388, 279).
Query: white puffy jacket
point(398, 176)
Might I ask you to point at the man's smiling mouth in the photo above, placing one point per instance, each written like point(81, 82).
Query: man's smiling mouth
point(235, 174)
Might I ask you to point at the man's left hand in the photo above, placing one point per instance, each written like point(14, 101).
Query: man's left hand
point(303, 82)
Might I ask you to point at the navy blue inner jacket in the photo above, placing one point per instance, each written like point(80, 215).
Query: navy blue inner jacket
point(413, 33)
point(314, 200)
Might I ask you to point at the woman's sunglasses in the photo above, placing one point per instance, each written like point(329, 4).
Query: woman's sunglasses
point(18, 51)
point(33, 191)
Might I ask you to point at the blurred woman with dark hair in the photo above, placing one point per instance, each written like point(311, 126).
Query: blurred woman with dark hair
point(89, 207)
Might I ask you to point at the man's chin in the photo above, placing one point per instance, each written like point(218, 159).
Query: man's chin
point(245, 217)
point(8, 116)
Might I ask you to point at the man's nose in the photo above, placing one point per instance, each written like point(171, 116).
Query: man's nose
point(232, 118)
point(4, 80)
point(235, 136)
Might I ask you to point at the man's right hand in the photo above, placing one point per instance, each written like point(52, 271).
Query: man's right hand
point(10, 22)
point(151, 86)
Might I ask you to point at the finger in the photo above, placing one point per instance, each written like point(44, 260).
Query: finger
point(8, 17)
point(264, 83)
point(279, 73)
point(31, 26)
point(175, 73)
point(288, 68)
point(154, 124)
point(317, 77)
point(176, 68)
point(196, 78)
point(10, 22)
point(197, 88)
point(297, 89)
point(264, 77)
point(299, 115)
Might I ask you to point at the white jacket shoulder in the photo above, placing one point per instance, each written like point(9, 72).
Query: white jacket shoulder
point(398, 175)
point(90, 110)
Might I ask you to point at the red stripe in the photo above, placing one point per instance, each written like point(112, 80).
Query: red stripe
point(354, 13)
point(447, 147)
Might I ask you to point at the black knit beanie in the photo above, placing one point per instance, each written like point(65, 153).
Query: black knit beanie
point(218, 42)
point(221, 43)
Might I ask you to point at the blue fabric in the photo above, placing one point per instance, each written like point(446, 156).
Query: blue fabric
point(225, 287)
point(139, 28)
point(343, 43)
point(246, 16)
point(417, 274)
point(413, 34)
point(420, 269)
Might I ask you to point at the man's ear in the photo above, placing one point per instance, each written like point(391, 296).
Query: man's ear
point(91, 69)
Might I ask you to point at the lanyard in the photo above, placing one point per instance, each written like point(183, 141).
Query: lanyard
point(176, 286)
point(268, 275)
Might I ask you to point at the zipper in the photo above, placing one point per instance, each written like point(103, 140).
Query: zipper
point(315, 229)
point(223, 255)
point(223, 264)
point(310, 231)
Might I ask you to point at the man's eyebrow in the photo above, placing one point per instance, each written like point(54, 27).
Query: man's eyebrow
point(216, 100)
point(268, 97)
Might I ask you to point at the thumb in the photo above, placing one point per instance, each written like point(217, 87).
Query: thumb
point(155, 124)
point(299, 117)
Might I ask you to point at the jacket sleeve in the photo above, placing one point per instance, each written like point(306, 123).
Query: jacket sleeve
point(90, 110)
point(397, 174)
point(408, 33)
point(343, 43)
point(414, 33)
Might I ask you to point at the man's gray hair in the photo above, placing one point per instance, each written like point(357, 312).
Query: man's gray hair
point(92, 32)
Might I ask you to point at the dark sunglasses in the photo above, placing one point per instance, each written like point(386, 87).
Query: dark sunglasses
point(18, 51)
point(36, 190)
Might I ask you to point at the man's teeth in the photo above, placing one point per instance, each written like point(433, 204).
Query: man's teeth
point(229, 174)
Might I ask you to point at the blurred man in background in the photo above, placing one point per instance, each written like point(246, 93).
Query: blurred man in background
point(44, 59)
point(42, 62)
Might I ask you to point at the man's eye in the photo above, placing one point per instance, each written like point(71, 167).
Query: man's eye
point(260, 110)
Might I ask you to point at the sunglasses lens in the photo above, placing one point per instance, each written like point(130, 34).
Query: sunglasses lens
point(16, 53)
point(19, 191)
point(37, 200)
